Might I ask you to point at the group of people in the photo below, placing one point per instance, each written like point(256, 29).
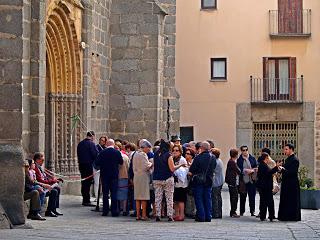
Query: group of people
point(39, 184)
point(245, 175)
point(177, 181)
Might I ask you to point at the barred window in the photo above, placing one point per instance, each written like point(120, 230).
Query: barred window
point(274, 136)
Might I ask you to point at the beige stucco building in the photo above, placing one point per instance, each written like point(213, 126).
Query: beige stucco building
point(247, 73)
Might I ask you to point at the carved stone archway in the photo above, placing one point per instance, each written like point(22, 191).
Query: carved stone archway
point(63, 84)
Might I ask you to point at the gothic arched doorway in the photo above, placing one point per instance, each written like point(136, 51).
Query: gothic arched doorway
point(63, 85)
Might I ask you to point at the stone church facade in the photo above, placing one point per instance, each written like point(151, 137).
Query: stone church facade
point(109, 62)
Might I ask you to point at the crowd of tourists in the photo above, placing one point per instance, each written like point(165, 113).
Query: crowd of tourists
point(170, 180)
point(174, 180)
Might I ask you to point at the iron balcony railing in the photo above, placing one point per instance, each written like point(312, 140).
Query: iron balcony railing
point(276, 90)
point(290, 25)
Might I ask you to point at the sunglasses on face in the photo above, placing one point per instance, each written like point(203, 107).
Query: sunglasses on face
point(175, 150)
point(187, 153)
point(244, 150)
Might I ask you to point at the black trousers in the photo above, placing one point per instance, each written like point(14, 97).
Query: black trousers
point(85, 171)
point(216, 202)
point(54, 196)
point(233, 191)
point(251, 192)
point(266, 202)
point(110, 185)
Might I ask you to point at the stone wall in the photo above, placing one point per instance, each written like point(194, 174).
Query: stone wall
point(96, 64)
point(137, 98)
point(36, 81)
point(317, 146)
point(171, 105)
point(303, 114)
point(14, 50)
point(139, 53)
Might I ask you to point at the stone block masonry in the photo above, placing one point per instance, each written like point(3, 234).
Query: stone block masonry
point(12, 50)
point(140, 69)
point(96, 63)
point(121, 81)
point(317, 146)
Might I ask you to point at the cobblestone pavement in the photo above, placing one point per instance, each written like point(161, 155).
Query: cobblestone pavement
point(80, 223)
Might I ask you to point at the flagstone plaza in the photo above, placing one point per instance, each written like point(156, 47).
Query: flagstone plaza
point(81, 223)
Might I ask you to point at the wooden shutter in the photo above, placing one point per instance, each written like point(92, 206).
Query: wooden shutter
point(265, 79)
point(290, 16)
point(292, 77)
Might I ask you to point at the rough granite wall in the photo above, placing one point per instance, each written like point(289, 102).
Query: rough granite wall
point(139, 71)
point(36, 81)
point(96, 64)
point(14, 52)
point(134, 38)
point(171, 105)
point(317, 146)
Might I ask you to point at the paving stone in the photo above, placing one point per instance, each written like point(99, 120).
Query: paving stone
point(81, 223)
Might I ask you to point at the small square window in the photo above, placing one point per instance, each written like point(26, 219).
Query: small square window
point(208, 4)
point(218, 69)
point(186, 134)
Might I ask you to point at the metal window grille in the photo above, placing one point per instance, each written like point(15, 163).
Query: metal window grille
point(274, 136)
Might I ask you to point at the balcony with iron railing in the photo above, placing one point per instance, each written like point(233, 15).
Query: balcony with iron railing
point(276, 90)
point(296, 24)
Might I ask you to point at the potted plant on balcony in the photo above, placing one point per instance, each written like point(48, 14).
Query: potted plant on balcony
point(309, 195)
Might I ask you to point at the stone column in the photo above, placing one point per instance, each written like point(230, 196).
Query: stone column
point(37, 76)
point(170, 119)
point(317, 146)
point(138, 89)
point(14, 51)
point(244, 125)
point(51, 138)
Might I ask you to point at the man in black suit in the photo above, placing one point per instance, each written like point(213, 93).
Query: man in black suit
point(109, 160)
point(87, 154)
point(265, 185)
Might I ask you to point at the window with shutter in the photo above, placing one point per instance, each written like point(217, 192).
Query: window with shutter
point(279, 78)
point(290, 15)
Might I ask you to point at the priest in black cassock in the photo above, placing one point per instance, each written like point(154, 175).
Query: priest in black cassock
point(289, 209)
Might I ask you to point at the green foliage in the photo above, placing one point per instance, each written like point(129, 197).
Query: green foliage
point(310, 188)
point(305, 181)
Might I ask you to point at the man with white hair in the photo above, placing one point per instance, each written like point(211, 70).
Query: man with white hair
point(201, 171)
point(109, 160)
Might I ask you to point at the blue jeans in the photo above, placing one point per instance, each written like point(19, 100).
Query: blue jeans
point(42, 194)
point(110, 185)
point(203, 202)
